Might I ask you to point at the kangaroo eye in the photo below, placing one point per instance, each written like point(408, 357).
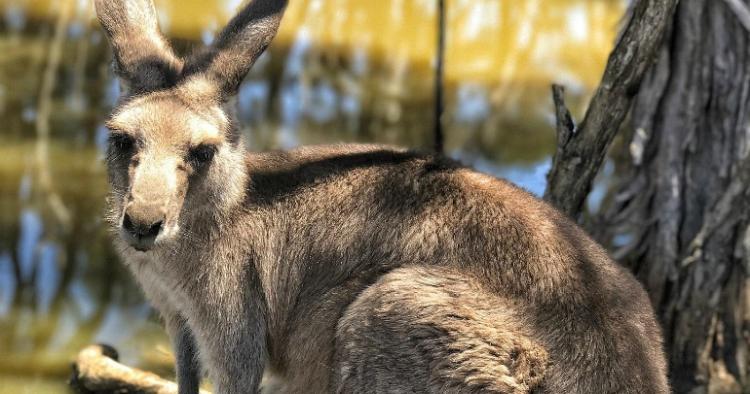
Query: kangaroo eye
point(202, 154)
point(121, 142)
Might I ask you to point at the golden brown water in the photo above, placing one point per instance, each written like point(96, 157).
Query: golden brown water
point(340, 70)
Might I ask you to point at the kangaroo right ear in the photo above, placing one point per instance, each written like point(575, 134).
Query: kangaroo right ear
point(143, 58)
point(243, 40)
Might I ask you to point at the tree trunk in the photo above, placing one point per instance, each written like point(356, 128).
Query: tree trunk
point(680, 213)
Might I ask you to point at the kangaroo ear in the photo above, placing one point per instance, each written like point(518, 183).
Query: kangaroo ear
point(143, 58)
point(238, 46)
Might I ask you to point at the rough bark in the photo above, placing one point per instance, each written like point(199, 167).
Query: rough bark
point(581, 151)
point(679, 217)
point(96, 370)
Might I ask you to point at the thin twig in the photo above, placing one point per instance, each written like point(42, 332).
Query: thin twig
point(439, 64)
point(566, 127)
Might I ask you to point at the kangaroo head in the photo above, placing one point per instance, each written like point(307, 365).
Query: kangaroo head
point(174, 151)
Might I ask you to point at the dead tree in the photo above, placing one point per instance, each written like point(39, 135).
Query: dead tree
point(679, 212)
point(683, 200)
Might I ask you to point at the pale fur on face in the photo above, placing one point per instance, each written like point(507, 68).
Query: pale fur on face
point(166, 125)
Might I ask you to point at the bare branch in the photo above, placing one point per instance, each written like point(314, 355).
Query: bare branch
point(575, 165)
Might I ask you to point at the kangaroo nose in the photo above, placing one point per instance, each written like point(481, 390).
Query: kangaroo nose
point(141, 234)
point(141, 229)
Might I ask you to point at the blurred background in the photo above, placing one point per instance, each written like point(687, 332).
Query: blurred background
point(339, 70)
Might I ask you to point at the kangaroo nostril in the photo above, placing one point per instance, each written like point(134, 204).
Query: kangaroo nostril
point(128, 225)
point(141, 229)
point(154, 230)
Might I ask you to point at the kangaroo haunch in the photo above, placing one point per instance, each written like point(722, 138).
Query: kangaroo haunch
point(350, 268)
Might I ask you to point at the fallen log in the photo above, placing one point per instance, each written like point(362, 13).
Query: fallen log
point(96, 370)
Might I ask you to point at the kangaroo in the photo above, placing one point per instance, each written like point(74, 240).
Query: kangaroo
point(347, 268)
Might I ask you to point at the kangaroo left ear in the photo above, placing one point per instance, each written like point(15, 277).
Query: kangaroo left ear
point(143, 58)
point(226, 62)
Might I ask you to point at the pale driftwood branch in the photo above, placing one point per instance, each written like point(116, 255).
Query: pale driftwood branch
point(575, 164)
point(96, 370)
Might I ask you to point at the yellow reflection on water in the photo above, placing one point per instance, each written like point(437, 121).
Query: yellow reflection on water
point(488, 41)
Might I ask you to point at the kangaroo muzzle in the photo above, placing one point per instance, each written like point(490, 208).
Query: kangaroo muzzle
point(152, 199)
point(141, 224)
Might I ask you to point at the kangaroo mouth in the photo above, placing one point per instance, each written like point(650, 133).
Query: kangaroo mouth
point(144, 238)
point(141, 244)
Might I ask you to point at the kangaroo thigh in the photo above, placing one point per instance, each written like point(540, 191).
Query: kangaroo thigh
point(430, 330)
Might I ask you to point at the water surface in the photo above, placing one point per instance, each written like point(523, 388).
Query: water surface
point(343, 70)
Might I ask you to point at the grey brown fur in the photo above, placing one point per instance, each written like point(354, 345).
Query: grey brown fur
point(350, 268)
